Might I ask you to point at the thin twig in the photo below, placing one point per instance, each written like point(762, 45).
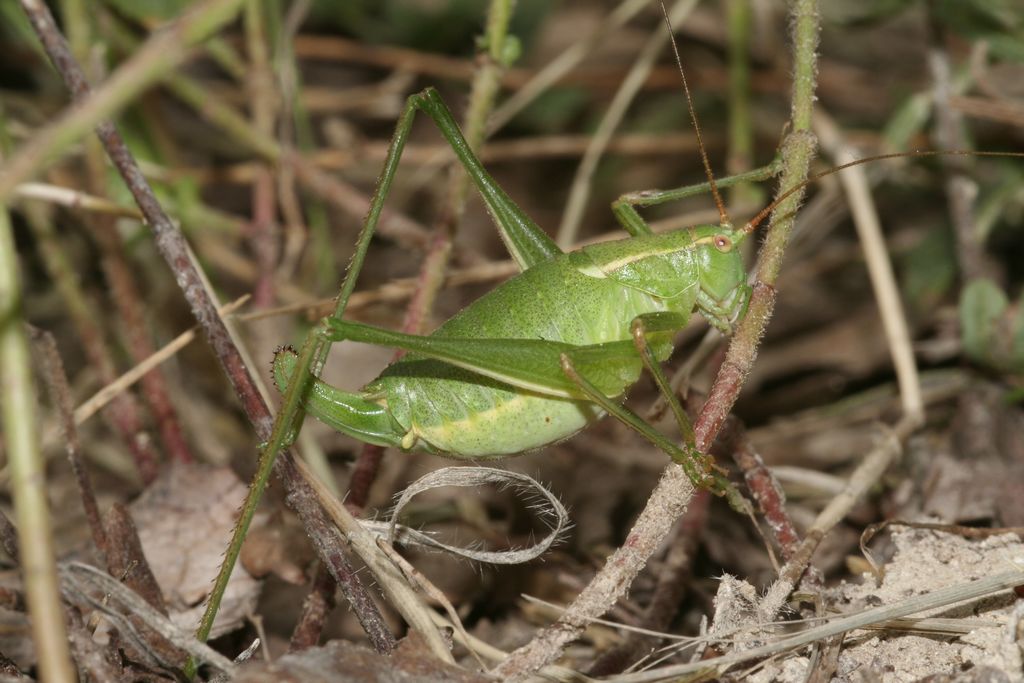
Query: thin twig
point(883, 281)
point(125, 414)
point(60, 395)
point(674, 574)
point(260, 88)
point(128, 299)
point(318, 604)
point(961, 190)
point(74, 199)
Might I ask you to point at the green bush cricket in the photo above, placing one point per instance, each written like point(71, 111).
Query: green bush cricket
point(544, 354)
point(552, 349)
point(548, 351)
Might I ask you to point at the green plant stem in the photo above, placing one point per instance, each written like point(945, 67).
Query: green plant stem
point(800, 144)
point(160, 54)
point(28, 482)
point(486, 82)
point(741, 130)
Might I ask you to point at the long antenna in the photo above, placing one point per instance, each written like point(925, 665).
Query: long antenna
point(756, 220)
point(722, 213)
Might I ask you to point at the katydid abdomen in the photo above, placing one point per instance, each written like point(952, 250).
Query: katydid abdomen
point(580, 299)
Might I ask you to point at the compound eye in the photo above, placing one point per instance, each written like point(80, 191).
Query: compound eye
point(722, 243)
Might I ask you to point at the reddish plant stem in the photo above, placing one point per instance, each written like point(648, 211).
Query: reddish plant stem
point(174, 249)
point(738, 361)
point(129, 306)
point(763, 486)
point(260, 87)
point(363, 475)
point(60, 394)
point(262, 239)
point(126, 295)
point(768, 495)
point(315, 609)
point(125, 560)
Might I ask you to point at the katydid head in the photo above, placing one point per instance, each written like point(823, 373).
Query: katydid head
point(722, 278)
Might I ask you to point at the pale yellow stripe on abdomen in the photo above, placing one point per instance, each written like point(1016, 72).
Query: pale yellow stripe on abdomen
point(527, 420)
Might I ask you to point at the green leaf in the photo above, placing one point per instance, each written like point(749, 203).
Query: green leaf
point(981, 305)
point(928, 270)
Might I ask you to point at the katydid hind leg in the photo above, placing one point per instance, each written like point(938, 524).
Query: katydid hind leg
point(529, 364)
point(641, 328)
point(526, 241)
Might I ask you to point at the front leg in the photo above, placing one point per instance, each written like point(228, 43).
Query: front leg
point(724, 318)
point(642, 329)
point(697, 466)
